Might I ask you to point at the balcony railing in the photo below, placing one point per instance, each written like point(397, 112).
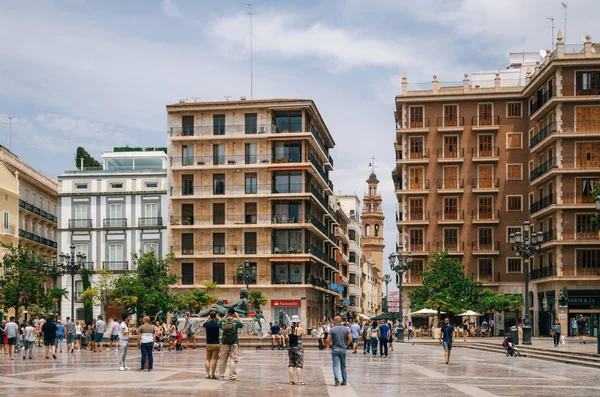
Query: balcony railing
point(450, 153)
point(478, 153)
point(580, 126)
point(485, 215)
point(540, 136)
point(115, 222)
point(150, 221)
point(237, 219)
point(403, 155)
point(115, 266)
point(485, 247)
point(318, 253)
point(417, 247)
point(320, 170)
point(36, 238)
point(457, 215)
point(80, 223)
point(542, 203)
point(588, 271)
point(485, 120)
point(36, 210)
point(584, 233)
point(421, 184)
point(485, 183)
point(537, 105)
point(315, 192)
point(580, 90)
point(451, 183)
point(224, 160)
point(417, 215)
point(237, 190)
point(541, 170)
point(237, 129)
point(458, 121)
point(548, 236)
point(576, 198)
point(319, 225)
point(418, 123)
point(548, 271)
point(451, 247)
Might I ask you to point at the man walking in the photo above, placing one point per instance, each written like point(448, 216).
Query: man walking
point(212, 344)
point(70, 331)
point(366, 337)
point(188, 331)
point(581, 326)
point(99, 329)
point(383, 329)
point(114, 335)
point(339, 338)
point(49, 335)
point(124, 339)
point(446, 338)
point(229, 347)
point(60, 335)
point(12, 330)
point(355, 331)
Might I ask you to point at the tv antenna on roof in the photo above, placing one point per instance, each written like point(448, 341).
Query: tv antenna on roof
point(250, 14)
point(552, 20)
point(227, 97)
point(372, 164)
point(565, 34)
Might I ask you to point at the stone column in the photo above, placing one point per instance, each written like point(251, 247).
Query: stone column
point(560, 45)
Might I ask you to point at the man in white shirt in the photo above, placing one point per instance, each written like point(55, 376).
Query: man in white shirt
point(100, 328)
point(114, 335)
point(124, 341)
point(12, 331)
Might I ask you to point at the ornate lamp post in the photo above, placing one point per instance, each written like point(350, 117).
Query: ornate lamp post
point(398, 266)
point(71, 263)
point(247, 274)
point(526, 245)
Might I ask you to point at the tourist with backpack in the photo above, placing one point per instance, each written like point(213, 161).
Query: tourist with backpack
point(229, 344)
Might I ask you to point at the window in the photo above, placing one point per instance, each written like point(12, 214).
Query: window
point(416, 117)
point(486, 145)
point(588, 154)
point(187, 155)
point(34, 197)
point(485, 238)
point(250, 242)
point(450, 180)
point(218, 213)
point(514, 172)
point(376, 229)
point(78, 290)
point(514, 140)
point(352, 257)
point(116, 185)
point(81, 249)
point(514, 203)
point(486, 115)
point(513, 109)
point(115, 253)
point(485, 208)
point(151, 247)
point(415, 175)
point(250, 213)
point(250, 123)
point(417, 270)
point(288, 121)
point(26, 194)
point(151, 214)
point(187, 243)
point(450, 208)
point(187, 273)
point(251, 187)
point(287, 182)
point(81, 213)
point(450, 115)
point(588, 259)
point(287, 273)
point(287, 241)
point(151, 185)
point(6, 221)
point(287, 212)
point(219, 124)
point(219, 154)
point(41, 203)
point(450, 146)
point(250, 153)
point(451, 239)
point(218, 270)
point(287, 152)
point(416, 240)
point(187, 183)
point(513, 265)
point(187, 214)
point(352, 235)
point(415, 209)
point(485, 269)
point(588, 83)
point(187, 125)
point(218, 243)
point(80, 186)
point(219, 184)
point(115, 211)
point(513, 230)
point(585, 187)
point(586, 118)
point(416, 148)
point(585, 227)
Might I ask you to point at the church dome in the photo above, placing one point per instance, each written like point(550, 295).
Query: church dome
point(372, 178)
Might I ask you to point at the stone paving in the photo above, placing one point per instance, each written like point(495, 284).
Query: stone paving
point(411, 370)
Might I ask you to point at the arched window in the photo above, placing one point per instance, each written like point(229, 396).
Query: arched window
point(367, 230)
point(376, 230)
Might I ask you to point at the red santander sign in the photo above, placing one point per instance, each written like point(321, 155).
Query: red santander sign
point(286, 303)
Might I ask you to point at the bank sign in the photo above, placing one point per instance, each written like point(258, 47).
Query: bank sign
point(286, 303)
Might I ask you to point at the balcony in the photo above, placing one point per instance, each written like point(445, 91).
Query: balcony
point(115, 266)
point(319, 225)
point(485, 216)
point(485, 185)
point(541, 135)
point(577, 198)
point(542, 203)
point(320, 170)
point(450, 155)
point(481, 155)
point(487, 248)
point(414, 217)
point(548, 236)
point(404, 157)
point(236, 190)
point(541, 101)
point(541, 170)
point(548, 271)
point(315, 192)
point(581, 234)
point(575, 90)
point(228, 160)
point(36, 238)
point(418, 249)
point(37, 211)
point(228, 130)
point(80, 223)
point(115, 222)
point(450, 123)
point(580, 127)
point(485, 122)
point(450, 185)
point(450, 217)
point(453, 248)
point(415, 186)
point(150, 222)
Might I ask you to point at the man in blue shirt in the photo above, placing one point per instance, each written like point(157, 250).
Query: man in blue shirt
point(276, 338)
point(339, 338)
point(355, 331)
point(446, 337)
point(383, 329)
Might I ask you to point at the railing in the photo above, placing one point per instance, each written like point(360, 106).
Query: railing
point(234, 219)
point(537, 105)
point(450, 216)
point(548, 236)
point(150, 221)
point(576, 198)
point(36, 238)
point(485, 183)
point(478, 153)
point(218, 249)
point(115, 265)
point(413, 185)
point(418, 247)
point(451, 183)
point(542, 272)
point(541, 170)
point(330, 159)
point(445, 153)
point(451, 247)
point(412, 155)
point(318, 253)
point(578, 90)
point(220, 160)
point(586, 233)
point(423, 123)
point(485, 247)
point(115, 222)
point(540, 136)
point(574, 48)
point(418, 215)
point(580, 126)
point(319, 225)
point(237, 190)
point(458, 121)
point(485, 120)
point(588, 271)
point(316, 164)
point(542, 203)
point(236, 129)
point(80, 223)
point(315, 192)
point(36, 210)
point(483, 215)
point(320, 142)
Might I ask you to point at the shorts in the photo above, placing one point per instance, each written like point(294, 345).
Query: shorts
point(296, 357)
point(79, 336)
point(114, 337)
point(49, 342)
point(212, 352)
point(69, 339)
point(191, 335)
point(12, 341)
point(447, 345)
point(2, 340)
point(580, 332)
point(98, 337)
point(173, 337)
point(354, 340)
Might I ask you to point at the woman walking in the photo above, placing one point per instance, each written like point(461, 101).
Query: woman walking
point(295, 353)
point(465, 328)
point(372, 335)
point(411, 331)
point(146, 332)
point(172, 334)
point(28, 338)
point(556, 332)
point(78, 335)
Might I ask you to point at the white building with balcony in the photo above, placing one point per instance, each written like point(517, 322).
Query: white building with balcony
point(111, 212)
point(350, 204)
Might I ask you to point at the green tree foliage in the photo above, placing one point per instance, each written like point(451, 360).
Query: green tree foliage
point(51, 299)
point(211, 288)
point(147, 287)
point(98, 293)
point(88, 311)
point(596, 193)
point(20, 285)
point(487, 301)
point(256, 299)
point(88, 160)
point(192, 301)
point(36, 311)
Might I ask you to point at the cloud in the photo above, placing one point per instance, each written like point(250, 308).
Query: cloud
point(171, 9)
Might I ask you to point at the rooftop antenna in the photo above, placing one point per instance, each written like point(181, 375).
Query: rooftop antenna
point(372, 164)
point(251, 83)
point(9, 132)
point(551, 19)
point(227, 97)
point(565, 33)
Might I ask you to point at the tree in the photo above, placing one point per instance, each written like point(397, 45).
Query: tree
point(211, 288)
point(88, 311)
point(50, 301)
point(192, 301)
point(20, 286)
point(256, 299)
point(98, 293)
point(147, 287)
point(88, 160)
point(36, 311)
point(595, 193)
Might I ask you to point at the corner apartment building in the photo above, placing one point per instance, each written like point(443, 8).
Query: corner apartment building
point(475, 161)
point(110, 213)
point(9, 207)
point(249, 184)
point(350, 205)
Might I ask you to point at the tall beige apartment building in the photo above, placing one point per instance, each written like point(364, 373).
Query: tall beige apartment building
point(250, 191)
point(476, 160)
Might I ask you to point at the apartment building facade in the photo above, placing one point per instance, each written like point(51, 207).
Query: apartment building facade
point(476, 161)
point(110, 213)
point(350, 205)
point(249, 189)
point(9, 208)
point(372, 245)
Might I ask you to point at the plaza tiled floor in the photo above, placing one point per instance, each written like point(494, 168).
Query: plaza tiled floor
point(411, 370)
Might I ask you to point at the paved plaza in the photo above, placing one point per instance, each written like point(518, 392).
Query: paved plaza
point(411, 370)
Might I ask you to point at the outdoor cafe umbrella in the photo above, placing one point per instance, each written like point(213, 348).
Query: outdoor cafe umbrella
point(383, 316)
point(470, 313)
point(425, 312)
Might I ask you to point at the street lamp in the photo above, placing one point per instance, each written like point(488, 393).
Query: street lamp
point(71, 266)
point(247, 274)
point(398, 266)
point(525, 245)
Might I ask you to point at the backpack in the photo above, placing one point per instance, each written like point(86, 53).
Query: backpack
point(229, 332)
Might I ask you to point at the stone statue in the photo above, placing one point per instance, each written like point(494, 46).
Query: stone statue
point(257, 317)
point(218, 307)
point(241, 306)
point(158, 317)
point(281, 317)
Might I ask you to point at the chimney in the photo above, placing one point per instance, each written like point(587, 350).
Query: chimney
point(243, 98)
point(528, 75)
point(497, 81)
point(587, 46)
point(466, 81)
point(435, 84)
point(404, 83)
point(560, 45)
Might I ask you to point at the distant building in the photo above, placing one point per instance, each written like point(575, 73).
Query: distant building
point(372, 246)
point(350, 204)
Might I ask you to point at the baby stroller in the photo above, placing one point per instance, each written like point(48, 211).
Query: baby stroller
point(19, 344)
point(178, 341)
point(158, 341)
point(511, 349)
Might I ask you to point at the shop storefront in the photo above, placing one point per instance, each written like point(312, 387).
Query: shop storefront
point(285, 309)
point(586, 303)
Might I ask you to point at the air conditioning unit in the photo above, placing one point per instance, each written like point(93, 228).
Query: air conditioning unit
point(262, 130)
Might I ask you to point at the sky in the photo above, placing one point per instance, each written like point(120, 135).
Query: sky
point(99, 74)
